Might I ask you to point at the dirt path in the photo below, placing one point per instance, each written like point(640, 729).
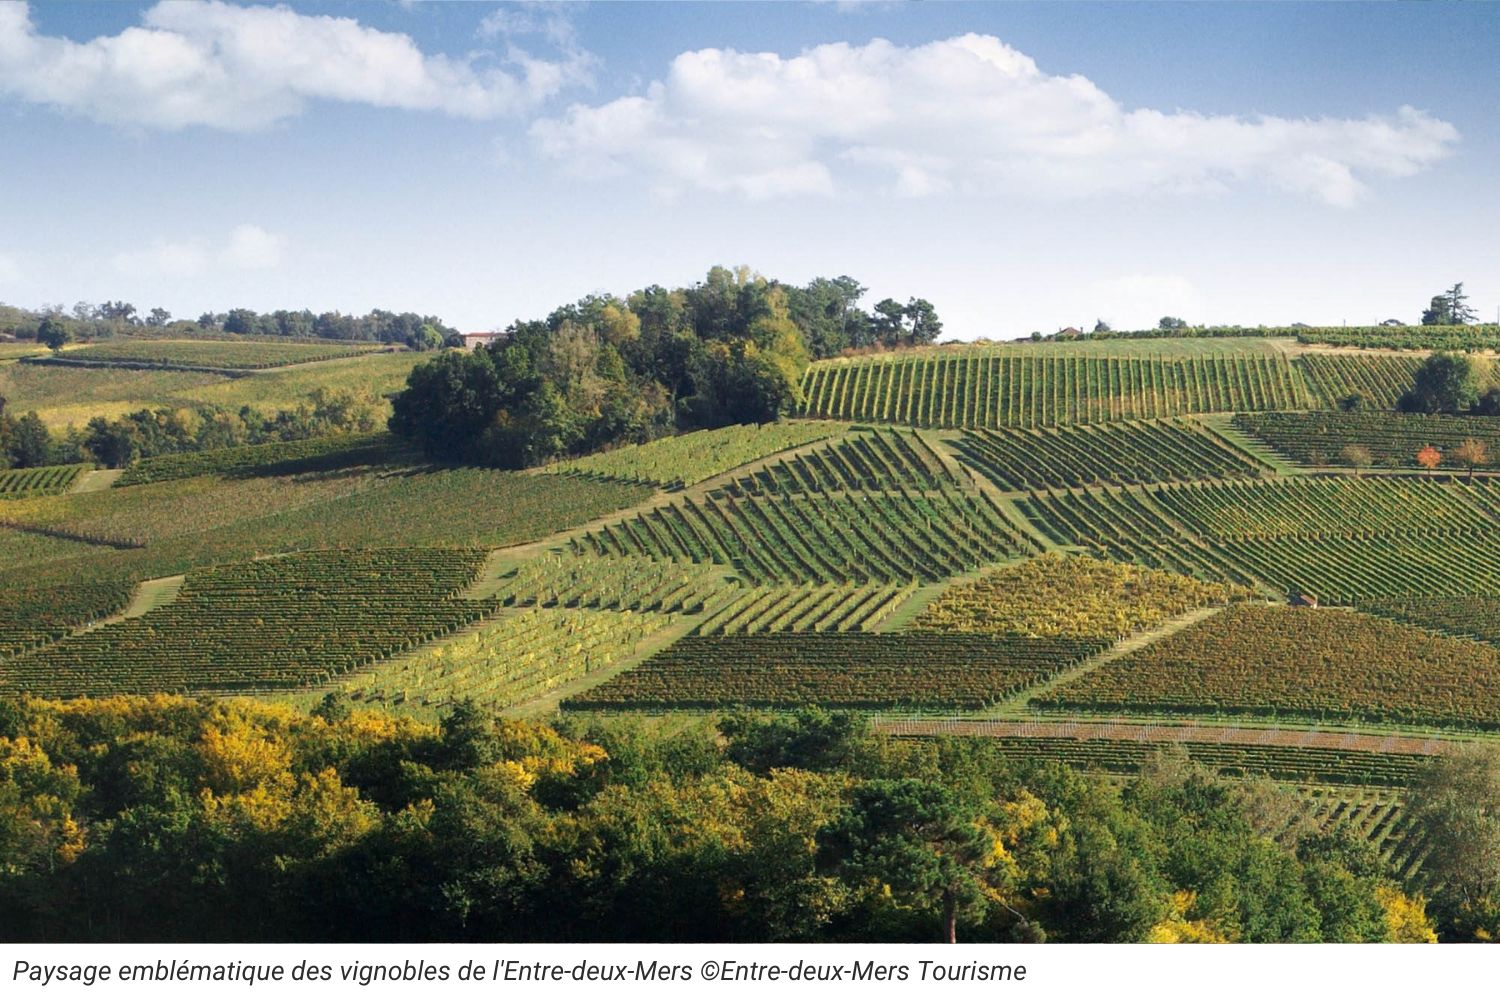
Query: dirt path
point(95, 480)
point(1166, 733)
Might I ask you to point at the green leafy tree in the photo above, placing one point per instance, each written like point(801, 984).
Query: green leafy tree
point(1444, 383)
point(1455, 809)
point(52, 333)
point(919, 839)
point(1449, 308)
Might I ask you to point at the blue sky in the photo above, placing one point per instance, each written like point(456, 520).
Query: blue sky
point(1022, 166)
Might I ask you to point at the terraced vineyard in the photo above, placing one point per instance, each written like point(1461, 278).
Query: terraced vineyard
point(509, 661)
point(1393, 439)
point(1075, 597)
point(244, 355)
point(285, 622)
point(691, 458)
point(277, 458)
point(845, 669)
point(1380, 379)
point(865, 460)
point(1319, 664)
point(1006, 388)
point(858, 538)
point(622, 583)
point(829, 608)
point(1121, 454)
point(46, 480)
point(1344, 540)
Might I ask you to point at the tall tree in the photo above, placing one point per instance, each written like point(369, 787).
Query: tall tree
point(919, 839)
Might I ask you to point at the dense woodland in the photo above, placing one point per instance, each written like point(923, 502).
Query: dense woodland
point(171, 819)
point(606, 371)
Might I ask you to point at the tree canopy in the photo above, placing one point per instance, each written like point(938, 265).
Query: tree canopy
point(174, 819)
point(606, 371)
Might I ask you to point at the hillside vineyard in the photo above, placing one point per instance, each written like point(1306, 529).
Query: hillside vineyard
point(1086, 556)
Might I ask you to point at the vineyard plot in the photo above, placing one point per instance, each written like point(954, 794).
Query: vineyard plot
point(508, 661)
point(1393, 439)
point(283, 622)
point(1120, 454)
point(999, 388)
point(1344, 540)
point(874, 459)
point(828, 608)
point(686, 459)
point(1320, 664)
point(1380, 379)
point(862, 538)
point(854, 670)
point(42, 481)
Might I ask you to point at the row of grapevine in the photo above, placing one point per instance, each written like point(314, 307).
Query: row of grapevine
point(686, 459)
point(848, 669)
point(1123, 453)
point(864, 460)
point(1468, 337)
point(620, 583)
point(1319, 664)
point(508, 661)
point(822, 538)
point(829, 608)
point(1393, 439)
point(277, 458)
point(46, 480)
point(283, 622)
point(1299, 765)
point(1380, 379)
point(996, 388)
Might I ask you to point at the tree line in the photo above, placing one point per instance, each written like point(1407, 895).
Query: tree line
point(606, 371)
point(171, 819)
point(26, 441)
point(54, 326)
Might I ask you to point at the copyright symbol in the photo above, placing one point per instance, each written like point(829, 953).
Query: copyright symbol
point(710, 970)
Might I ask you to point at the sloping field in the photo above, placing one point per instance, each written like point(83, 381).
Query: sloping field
point(982, 388)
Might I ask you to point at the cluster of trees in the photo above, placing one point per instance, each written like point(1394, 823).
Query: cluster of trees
point(607, 371)
point(1449, 308)
point(1448, 382)
point(26, 442)
point(174, 819)
point(53, 325)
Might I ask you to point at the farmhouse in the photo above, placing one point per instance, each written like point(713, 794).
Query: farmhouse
point(473, 341)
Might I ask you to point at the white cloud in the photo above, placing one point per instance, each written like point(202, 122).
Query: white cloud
point(252, 248)
point(245, 68)
point(969, 114)
point(249, 248)
point(10, 270)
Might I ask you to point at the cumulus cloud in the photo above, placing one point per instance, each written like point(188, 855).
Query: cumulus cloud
point(248, 248)
point(245, 68)
point(968, 114)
